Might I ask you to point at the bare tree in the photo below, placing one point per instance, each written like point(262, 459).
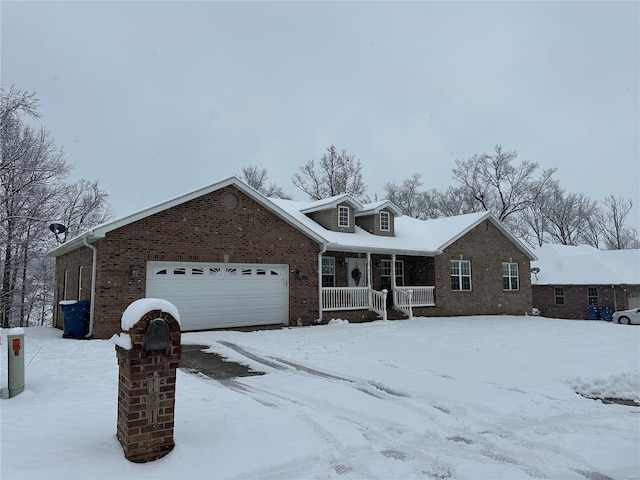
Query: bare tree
point(337, 172)
point(31, 163)
point(81, 205)
point(498, 185)
point(33, 192)
point(568, 215)
point(612, 218)
point(408, 196)
point(455, 201)
point(258, 179)
point(14, 104)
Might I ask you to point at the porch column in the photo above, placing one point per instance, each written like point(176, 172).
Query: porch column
point(369, 271)
point(393, 271)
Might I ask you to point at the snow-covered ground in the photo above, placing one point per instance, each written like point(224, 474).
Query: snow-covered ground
point(459, 398)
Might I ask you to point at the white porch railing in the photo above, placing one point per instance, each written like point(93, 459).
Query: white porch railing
point(345, 298)
point(364, 298)
point(405, 298)
point(402, 300)
point(422, 296)
point(379, 302)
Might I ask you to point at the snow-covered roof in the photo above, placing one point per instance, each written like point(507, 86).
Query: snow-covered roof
point(377, 207)
point(585, 265)
point(331, 202)
point(412, 236)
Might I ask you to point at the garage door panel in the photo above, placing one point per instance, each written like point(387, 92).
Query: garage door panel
point(210, 295)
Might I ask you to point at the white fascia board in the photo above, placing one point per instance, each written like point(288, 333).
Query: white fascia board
point(370, 209)
point(101, 230)
point(336, 247)
point(332, 202)
point(492, 218)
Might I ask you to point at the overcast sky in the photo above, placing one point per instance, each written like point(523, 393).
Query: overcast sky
point(156, 99)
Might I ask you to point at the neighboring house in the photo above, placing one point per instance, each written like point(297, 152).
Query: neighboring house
point(227, 256)
point(581, 281)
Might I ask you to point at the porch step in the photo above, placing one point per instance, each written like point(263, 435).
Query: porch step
point(393, 314)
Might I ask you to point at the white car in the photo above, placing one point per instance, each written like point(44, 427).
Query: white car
point(628, 317)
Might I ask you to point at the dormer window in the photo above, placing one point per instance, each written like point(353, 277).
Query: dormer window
point(343, 216)
point(385, 223)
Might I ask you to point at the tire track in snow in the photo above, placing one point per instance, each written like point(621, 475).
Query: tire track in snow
point(370, 388)
point(475, 444)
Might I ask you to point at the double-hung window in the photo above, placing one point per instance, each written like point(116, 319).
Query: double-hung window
point(343, 216)
point(460, 275)
point(385, 272)
point(328, 272)
point(592, 296)
point(559, 295)
point(509, 276)
point(385, 221)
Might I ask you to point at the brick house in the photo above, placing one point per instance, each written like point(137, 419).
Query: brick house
point(580, 282)
point(227, 256)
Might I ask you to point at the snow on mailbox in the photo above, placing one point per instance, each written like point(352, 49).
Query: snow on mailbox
point(148, 352)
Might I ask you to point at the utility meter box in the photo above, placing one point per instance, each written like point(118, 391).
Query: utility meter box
point(15, 361)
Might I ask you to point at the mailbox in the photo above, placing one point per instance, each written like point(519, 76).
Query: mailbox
point(157, 336)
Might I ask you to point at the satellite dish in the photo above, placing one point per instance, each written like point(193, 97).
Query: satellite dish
point(57, 228)
point(535, 270)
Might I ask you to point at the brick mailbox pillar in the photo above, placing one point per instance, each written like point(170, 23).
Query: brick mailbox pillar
point(147, 379)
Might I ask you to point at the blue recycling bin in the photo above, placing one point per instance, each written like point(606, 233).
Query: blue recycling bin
point(75, 318)
point(593, 313)
point(606, 314)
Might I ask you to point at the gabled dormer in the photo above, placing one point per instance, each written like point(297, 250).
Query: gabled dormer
point(378, 218)
point(336, 213)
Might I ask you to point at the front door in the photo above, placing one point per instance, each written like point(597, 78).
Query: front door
point(357, 272)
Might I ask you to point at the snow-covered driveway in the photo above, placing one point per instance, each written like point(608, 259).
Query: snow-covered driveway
point(468, 398)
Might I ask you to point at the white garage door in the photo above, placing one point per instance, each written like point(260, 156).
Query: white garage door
point(634, 300)
point(217, 295)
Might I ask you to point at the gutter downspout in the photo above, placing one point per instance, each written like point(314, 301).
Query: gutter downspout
point(323, 249)
point(94, 268)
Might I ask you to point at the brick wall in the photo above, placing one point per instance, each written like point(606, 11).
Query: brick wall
point(576, 299)
point(486, 247)
point(147, 392)
point(200, 230)
point(71, 263)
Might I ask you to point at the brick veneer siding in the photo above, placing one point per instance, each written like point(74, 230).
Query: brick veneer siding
point(200, 230)
point(486, 248)
point(147, 392)
point(576, 300)
point(71, 263)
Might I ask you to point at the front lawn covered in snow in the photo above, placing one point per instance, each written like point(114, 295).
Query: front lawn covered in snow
point(460, 398)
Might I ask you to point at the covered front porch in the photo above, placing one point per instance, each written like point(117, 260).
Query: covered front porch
point(376, 282)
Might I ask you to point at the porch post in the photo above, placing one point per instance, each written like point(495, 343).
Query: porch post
point(393, 271)
point(369, 271)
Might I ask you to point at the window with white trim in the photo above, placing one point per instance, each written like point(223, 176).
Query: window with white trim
point(509, 276)
point(343, 216)
point(328, 272)
point(592, 296)
point(461, 275)
point(385, 221)
point(385, 272)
